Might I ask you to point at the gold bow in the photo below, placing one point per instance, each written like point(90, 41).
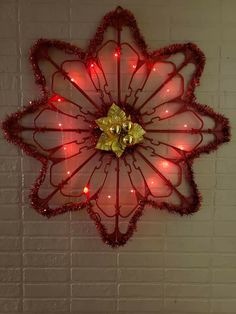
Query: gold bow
point(118, 131)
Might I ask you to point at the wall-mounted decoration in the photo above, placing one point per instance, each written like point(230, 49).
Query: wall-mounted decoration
point(117, 127)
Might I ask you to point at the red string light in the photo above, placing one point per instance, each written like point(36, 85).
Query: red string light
point(165, 164)
point(86, 190)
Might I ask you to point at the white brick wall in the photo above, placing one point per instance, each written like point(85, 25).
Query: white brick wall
point(173, 264)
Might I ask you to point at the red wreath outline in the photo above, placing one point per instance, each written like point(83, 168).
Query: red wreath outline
point(11, 127)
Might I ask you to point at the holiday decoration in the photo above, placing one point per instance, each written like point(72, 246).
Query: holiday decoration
point(117, 127)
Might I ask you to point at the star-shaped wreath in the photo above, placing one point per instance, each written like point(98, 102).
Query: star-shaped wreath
point(117, 127)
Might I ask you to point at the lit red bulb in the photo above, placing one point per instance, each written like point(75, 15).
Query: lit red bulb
point(165, 164)
point(86, 190)
point(56, 98)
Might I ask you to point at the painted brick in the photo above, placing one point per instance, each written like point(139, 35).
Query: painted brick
point(9, 180)
point(97, 274)
point(46, 259)
point(9, 290)
point(9, 165)
point(226, 197)
point(193, 275)
point(10, 260)
point(42, 11)
point(224, 260)
point(94, 259)
point(187, 305)
point(10, 305)
point(140, 275)
point(224, 276)
point(49, 229)
point(45, 305)
point(141, 260)
point(87, 290)
point(224, 305)
point(34, 30)
point(141, 290)
point(9, 212)
point(8, 47)
point(8, 32)
point(10, 244)
point(133, 305)
point(224, 291)
point(46, 275)
point(54, 244)
point(93, 305)
point(48, 290)
point(188, 244)
point(183, 260)
point(225, 212)
point(10, 228)
point(187, 290)
point(7, 149)
point(10, 274)
point(189, 229)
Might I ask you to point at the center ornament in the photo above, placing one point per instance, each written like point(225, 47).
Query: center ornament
point(118, 131)
point(117, 127)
